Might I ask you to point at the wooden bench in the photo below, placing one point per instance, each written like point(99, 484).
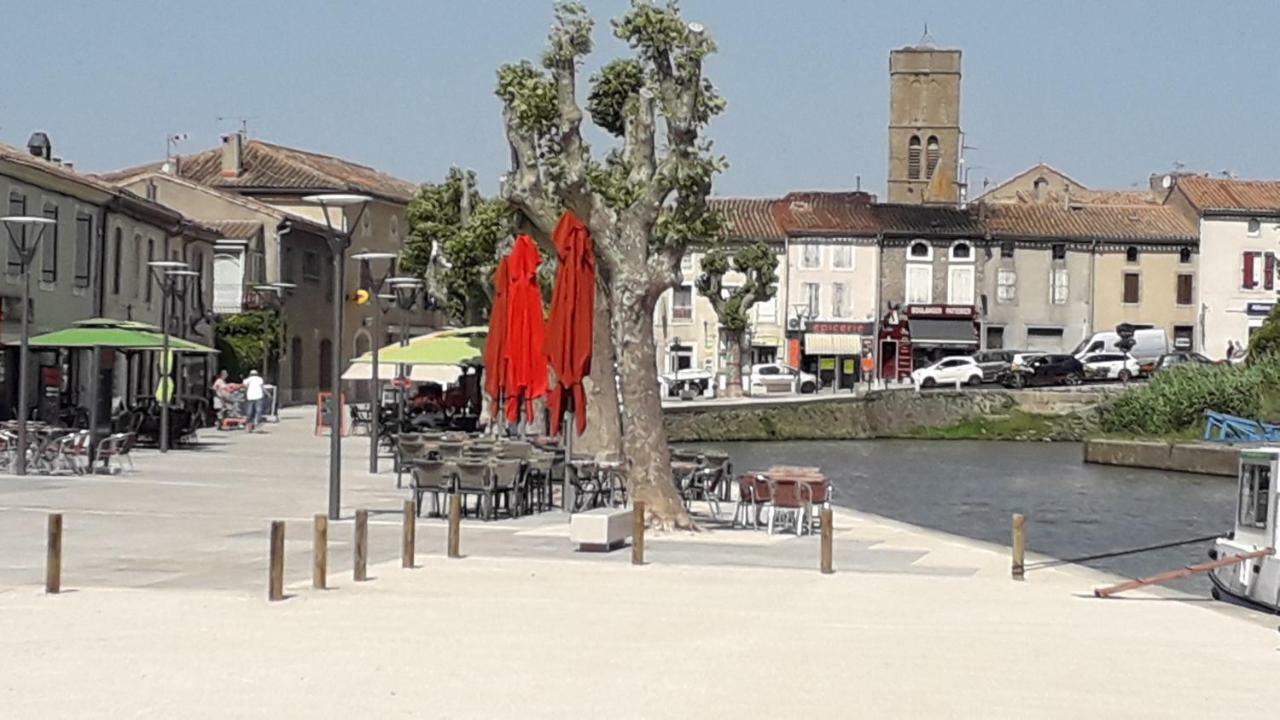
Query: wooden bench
point(601, 529)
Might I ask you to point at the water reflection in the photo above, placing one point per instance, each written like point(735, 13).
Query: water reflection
point(972, 488)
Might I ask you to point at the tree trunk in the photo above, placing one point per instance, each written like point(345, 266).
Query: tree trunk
point(604, 428)
point(734, 350)
point(644, 439)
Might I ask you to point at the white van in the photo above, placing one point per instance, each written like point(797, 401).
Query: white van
point(1148, 344)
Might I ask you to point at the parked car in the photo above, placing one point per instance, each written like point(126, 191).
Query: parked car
point(993, 362)
point(1175, 359)
point(1041, 370)
point(948, 371)
point(1148, 344)
point(775, 378)
point(1022, 360)
point(1110, 366)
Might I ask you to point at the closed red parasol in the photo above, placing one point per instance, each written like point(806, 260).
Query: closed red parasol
point(525, 376)
point(572, 320)
point(494, 360)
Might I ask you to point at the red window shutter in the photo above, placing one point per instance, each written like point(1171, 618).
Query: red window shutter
point(1269, 267)
point(1248, 281)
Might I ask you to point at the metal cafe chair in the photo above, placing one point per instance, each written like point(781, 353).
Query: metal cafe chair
point(430, 476)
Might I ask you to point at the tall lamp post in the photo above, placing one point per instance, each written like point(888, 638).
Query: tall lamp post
point(339, 241)
point(167, 274)
point(25, 233)
point(279, 291)
point(405, 292)
point(375, 397)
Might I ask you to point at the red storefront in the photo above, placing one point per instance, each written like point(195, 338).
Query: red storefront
point(921, 334)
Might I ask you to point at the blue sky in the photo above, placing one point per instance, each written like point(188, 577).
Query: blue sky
point(1107, 91)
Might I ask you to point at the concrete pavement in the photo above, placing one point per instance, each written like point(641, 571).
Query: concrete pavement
point(166, 616)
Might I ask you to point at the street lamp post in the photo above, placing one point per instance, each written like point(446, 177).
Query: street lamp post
point(26, 252)
point(339, 241)
point(166, 274)
point(279, 291)
point(375, 397)
point(405, 292)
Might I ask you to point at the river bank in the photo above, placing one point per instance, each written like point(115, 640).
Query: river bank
point(901, 413)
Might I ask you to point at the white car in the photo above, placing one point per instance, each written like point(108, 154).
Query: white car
point(949, 371)
point(1110, 366)
point(701, 383)
point(767, 378)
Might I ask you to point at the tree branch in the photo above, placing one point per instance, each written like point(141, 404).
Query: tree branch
point(524, 188)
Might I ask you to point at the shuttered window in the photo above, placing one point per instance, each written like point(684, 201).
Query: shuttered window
point(1184, 288)
point(1132, 288)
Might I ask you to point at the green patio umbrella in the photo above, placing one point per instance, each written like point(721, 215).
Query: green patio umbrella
point(118, 338)
point(439, 350)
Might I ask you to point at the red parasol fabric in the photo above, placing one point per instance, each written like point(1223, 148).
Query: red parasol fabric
point(525, 376)
point(572, 320)
point(494, 365)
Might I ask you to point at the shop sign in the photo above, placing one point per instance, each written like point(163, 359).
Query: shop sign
point(1259, 309)
point(940, 311)
point(827, 327)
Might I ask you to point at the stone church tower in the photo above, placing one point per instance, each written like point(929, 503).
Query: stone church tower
point(924, 125)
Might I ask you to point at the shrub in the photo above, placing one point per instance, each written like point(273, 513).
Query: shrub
point(1265, 342)
point(1175, 400)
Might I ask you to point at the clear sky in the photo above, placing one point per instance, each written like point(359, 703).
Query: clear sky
point(1107, 91)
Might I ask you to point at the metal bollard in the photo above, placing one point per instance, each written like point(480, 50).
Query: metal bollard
point(1019, 545)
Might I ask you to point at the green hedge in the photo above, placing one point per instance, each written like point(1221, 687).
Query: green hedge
point(1175, 399)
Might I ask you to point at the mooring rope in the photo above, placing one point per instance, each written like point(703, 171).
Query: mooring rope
point(1118, 553)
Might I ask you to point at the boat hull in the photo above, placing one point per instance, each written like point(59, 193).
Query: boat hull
point(1255, 582)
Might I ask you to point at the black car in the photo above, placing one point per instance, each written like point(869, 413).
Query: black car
point(1045, 370)
point(993, 363)
point(1174, 359)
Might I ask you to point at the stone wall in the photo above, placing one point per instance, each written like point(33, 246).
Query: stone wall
point(880, 414)
point(1203, 458)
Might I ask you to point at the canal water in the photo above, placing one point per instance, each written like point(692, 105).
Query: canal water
point(972, 488)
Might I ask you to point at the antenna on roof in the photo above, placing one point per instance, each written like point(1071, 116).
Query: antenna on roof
point(242, 119)
point(171, 141)
point(926, 40)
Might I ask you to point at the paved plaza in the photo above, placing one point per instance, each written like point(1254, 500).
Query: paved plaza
point(166, 615)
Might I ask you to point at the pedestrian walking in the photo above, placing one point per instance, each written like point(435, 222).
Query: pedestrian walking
point(255, 400)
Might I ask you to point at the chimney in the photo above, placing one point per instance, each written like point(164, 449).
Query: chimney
point(232, 155)
point(39, 146)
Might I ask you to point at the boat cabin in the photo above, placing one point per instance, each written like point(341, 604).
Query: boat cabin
point(1256, 580)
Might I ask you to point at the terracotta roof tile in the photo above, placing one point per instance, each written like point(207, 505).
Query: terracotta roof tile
point(927, 220)
point(827, 213)
point(236, 229)
point(749, 218)
point(1152, 223)
point(267, 165)
point(1206, 193)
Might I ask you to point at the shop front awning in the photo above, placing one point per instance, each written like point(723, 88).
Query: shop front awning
point(766, 340)
point(943, 332)
point(832, 344)
point(442, 374)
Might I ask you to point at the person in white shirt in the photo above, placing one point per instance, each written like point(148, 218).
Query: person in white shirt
point(255, 398)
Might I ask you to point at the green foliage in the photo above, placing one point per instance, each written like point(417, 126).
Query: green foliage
point(1175, 399)
point(570, 37)
point(455, 257)
point(1265, 342)
point(530, 96)
point(759, 267)
point(616, 84)
point(244, 339)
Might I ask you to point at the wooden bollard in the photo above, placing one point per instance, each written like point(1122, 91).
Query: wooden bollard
point(637, 533)
point(275, 580)
point(53, 556)
point(828, 533)
point(410, 538)
point(1019, 545)
point(320, 551)
point(360, 560)
point(455, 525)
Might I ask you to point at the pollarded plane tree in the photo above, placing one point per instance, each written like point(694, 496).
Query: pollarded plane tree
point(757, 266)
point(644, 202)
